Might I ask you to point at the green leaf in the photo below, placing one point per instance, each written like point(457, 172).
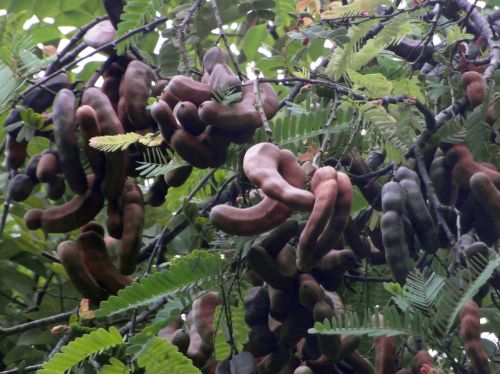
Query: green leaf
point(253, 39)
point(239, 328)
point(115, 367)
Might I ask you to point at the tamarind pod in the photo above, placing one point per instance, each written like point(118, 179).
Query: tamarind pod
point(135, 88)
point(64, 108)
point(486, 194)
point(280, 302)
point(93, 226)
point(393, 197)
point(30, 170)
point(475, 87)
point(477, 357)
point(176, 177)
point(375, 159)
point(223, 78)
point(332, 234)
point(239, 137)
point(121, 112)
point(168, 331)
point(187, 114)
point(33, 219)
point(204, 314)
point(277, 360)
point(278, 272)
point(396, 248)
point(308, 348)
point(133, 223)
point(358, 243)
point(330, 269)
point(100, 35)
point(262, 165)
point(257, 305)
point(213, 57)
point(242, 115)
point(16, 152)
point(162, 114)
point(111, 88)
point(199, 351)
point(114, 219)
point(295, 326)
point(404, 371)
point(310, 291)
point(95, 257)
point(116, 162)
point(48, 167)
point(76, 212)
point(223, 367)
point(158, 87)
point(322, 310)
point(195, 152)
point(216, 141)
point(463, 166)
point(274, 241)
point(70, 258)
point(421, 357)
point(385, 355)
point(114, 8)
point(440, 176)
point(485, 200)
point(261, 340)
point(56, 188)
point(20, 187)
point(473, 250)
point(404, 173)
point(182, 88)
point(349, 343)
point(324, 187)
point(370, 188)
point(86, 119)
point(157, 192)
point(243, 363)
point(254, 220)
point(420, 216)
point(411, 239)
point(359, 364)
point(303, 370)
point(487, 226)
point(181, 340)
point(377, 257)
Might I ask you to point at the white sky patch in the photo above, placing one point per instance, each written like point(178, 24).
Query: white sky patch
point(432, 352)
point(158, 14)
point(249, 70)
point(49, 20)
point(281, 74)
point(436, 39)
point(62, 43)
point(159, 43)
point(3, 12)
point(490, 336)
point(30, 22)
point(99, 82)
point(66, 29)
point(480, 4)
point(233, 26)
point(265, 52)
point(403, 4)
point(97, 57)
point(316, 63)
point(235, 50)
point(169, 24)
point(328, 44)
point(483, 321)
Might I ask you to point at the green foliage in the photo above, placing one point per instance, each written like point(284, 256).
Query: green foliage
point(115, 366)
point(120, 142)
point(82, 348)
point(239, 330)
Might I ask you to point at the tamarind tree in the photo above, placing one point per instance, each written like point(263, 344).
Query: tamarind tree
point(251, 186)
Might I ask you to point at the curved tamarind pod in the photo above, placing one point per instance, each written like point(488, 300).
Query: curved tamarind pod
point(471, 336)
point(276, 360)
point(204, 314)
point(223, 78)
point(274, 241)
point(385, 355)
point(135, 88)
point(176, 177)
point(349, 344)
point(359, 244)
point(216, 140)
point(195, 152)
point(475, 87)
point(486, 203)
point(20, 187)
point(86, 119)
point(30, 170)
point(375, 159)
point(323, 310)
point(359, 364)
point(329, 271)
point(199, 351)
point(257, 305)
point(332, 234)
point(181, 340)
point(213, 57)
point(70, 258)
point(114, 219)
point(48, 167)
point(56, 188)
point(162, 114)
point(133, 222)
point(295, 326)
point(281, 301)
point(187, 114)
point(243, 363)
point(157, 192)
point(95, 257)
point(73, 214)
point(111, 88)
point(242, 115)
point(158, 87)
point(463, 166)
point(310, 291)
point(16, 152)
point(261, 340)
point(114, 8)
point(421, 358)
point(182, 88)
point(33, 219)
point(93, 226)
point(441, 178)
point(371, 188)
point(396, 249)
point(100, 35)
point(262, 165)
point(64, 108)
point(116, 162)
point(324, 187)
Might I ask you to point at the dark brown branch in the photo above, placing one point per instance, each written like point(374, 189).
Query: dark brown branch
point(36, 324)
point(368, 176)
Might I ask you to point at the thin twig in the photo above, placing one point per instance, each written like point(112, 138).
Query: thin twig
point(326, 139)
point(36, 324)
point(260, 108)
point(182, 38)
point(377, 173)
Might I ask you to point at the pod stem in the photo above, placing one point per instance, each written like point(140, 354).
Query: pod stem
point(260, 108)
point(326, 136)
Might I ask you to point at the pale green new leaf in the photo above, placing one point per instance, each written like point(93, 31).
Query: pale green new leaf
point(82, 348)
point(354, 8)
point(120, 142)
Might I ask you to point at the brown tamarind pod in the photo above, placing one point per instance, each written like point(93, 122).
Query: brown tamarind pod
point(30, 170)
point(242, 115)
point(330, 269)
point(281, 301)
point(359, 244)
point(223, 78)
point(324, 187)
point(421, 358)
point(370, 188)
point(20, 187)
point(295, 326)
point(164, 117)
point(121, 112)
point(93, 226)
point(257, 305)
point(243, 363)
point(276, 239)
point(157, 192)
point(114, 219)
point(133, 223)
point(471, 336)
point(48, 167)
point(16, 152)
point(99, 35)
point(64, 108)
point(135, 88)
point(86, 119)
point(216, 141)
point(71, 215)
point(95, 257)
point(359, 364)
point(213, 57)
point(116, 162)
point(440, 176)
point(158, 87)
point(199, 350)
point(385, 355)
point(33, 219)
point(187, 114)
point(181, 340)
point(276, 360)
point(261, 340)
point(486, 194)
point(332, 234)
point(485, 221)
point(349, 344)
point(195, 152)
point(176, 177)
point(310, 291)
point(475, 87)
point(375, 159)
point(239, 137)
point(111, 88)
point(70, 258)
point(204, 314)
point(323, 310)
point(262, 165)
point(182, 88)
point(56, 188)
